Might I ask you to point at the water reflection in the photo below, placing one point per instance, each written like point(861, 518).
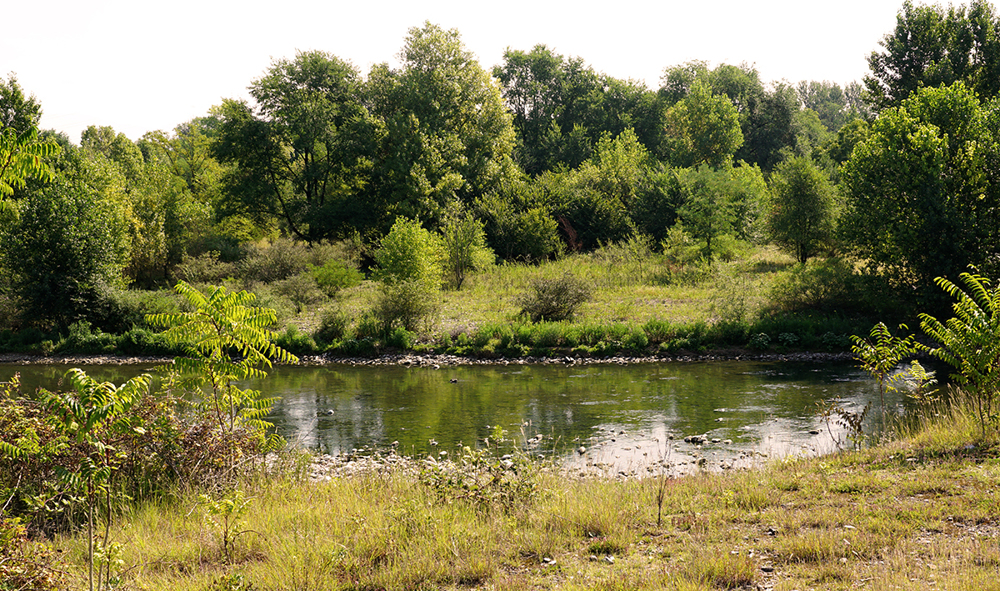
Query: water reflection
point(624, 415)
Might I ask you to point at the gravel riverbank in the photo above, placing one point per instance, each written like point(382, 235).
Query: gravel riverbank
point(431, 360)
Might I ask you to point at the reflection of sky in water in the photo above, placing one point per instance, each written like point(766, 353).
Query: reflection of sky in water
point(751, 408)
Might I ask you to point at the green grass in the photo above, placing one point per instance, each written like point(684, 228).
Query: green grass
point(909, 514)
point(763, 302)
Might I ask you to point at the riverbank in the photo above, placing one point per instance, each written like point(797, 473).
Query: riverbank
point(442, 360)
point(915, 513)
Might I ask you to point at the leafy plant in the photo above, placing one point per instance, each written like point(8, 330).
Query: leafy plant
point(970, 341)
point(221, 325)
point(335, 276)
point(226, 514)
point(553, 299)
point(880, 354)
point(94, 414)
point(464, 245)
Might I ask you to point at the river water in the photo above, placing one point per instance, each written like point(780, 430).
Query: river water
point(627, 418)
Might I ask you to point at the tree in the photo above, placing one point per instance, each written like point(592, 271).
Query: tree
point(827, 99)
point(447, 133)
point(409, 253)
point(464, 245)
point(803, 208)
point(970, 341)
point(702, 128)
point(936, 46)
point(923, 189)
point(18, 112)
point(409, 272)
point(708, 210)
point(21, 159)
point(221, 324)
point(765, 117)
point(303, 151)
point(561, 108)
point(69, 244)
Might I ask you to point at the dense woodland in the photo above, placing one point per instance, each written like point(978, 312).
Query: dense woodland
point(897, 176)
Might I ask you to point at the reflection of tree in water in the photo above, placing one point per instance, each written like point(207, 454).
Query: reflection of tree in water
point(376, 405)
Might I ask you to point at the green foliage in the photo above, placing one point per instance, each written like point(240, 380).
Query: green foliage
point(553, 299)
point(447, 133)
point(562, 107)
point(507, 483)
point(409, 253)
point(333, 326)
point(517, 227)
point(27, 565)
point(880, 354)
point(222, 324)
point(96, 415)
point(922, 190)
point(226, 514)
point(335, 276)
point(69, 243)
point(21, 158)
point(301, 152)
point(803, 209)
point(407, 304)
point(936, 45)
point(702, 128)
point(464, 245)
point(970, 341)
point(709, 210)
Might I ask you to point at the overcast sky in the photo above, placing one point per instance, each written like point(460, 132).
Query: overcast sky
point(140, 66)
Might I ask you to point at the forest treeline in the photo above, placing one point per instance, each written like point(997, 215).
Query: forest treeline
point(540, 156)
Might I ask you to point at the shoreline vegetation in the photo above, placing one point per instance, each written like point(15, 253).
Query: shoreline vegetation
point(909, 507)
point(910, 513)
point(438, 212)
point(761, 303)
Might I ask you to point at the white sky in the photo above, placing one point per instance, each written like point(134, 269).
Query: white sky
point(139, 66)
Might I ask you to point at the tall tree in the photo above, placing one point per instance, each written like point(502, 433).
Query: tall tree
point(447, 133)
point(562, 107)
point(934, 46)
point(702, 128)
point(302, 151)
point(765, 116)
point(802, 212)
point(18, 111)
point(923, 188)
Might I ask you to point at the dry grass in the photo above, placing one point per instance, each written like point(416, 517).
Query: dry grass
point(653, 290)
point(913, 514)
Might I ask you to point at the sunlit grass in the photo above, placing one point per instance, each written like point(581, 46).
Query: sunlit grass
point(910, 514)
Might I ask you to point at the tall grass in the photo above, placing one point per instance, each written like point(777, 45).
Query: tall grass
point(913, 512)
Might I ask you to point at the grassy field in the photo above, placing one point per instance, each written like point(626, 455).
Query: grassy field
point(919, 512)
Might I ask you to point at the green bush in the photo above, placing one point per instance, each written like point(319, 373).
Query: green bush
point(284, 258)
point(410, 304)
point(409, 254)
point(554, 299)
point(204, 268)
point(335, 276)
point(295, 341)
point(300, 289)
point(333, 326)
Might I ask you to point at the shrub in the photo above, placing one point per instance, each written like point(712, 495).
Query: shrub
point(407, 304)
point(464, 246)
point(294, 341)
point(554, 299)
point(409, 254)
point(335, 276)
point(333, 326)
point(281, 260)
point(301, 289)
point(204, 268)
point(970, 341)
